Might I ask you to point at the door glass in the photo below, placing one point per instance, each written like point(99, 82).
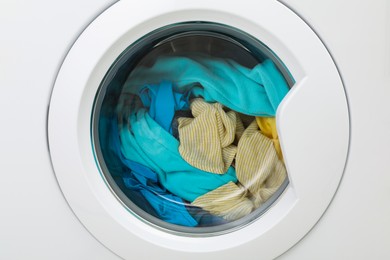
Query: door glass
point(184, 128)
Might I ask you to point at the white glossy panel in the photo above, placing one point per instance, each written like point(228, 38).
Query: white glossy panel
point(356, 224)
point(315, 151)
point(35, 220)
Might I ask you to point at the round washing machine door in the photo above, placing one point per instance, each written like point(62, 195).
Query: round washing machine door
point(113, 162)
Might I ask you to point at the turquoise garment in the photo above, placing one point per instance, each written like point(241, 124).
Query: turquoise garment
point(108, 137)
point(138, 178)
point(168, 206)
point(257, 91)
point(144, 141)
point(162, 102)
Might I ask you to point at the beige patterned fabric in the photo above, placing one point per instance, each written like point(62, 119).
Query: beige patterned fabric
point(206, 141)
point(229, 201)
point(259, 172)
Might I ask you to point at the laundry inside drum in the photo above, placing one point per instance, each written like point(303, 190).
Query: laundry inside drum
point(184, 128)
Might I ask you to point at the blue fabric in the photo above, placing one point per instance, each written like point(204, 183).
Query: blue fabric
point(257, 91)
point(162, 102)
point(116, 167)
point(144, 141)
point(140, 178)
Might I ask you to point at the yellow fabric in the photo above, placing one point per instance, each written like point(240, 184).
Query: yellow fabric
point(259, 172)
point(268, 128)
point(206, 141)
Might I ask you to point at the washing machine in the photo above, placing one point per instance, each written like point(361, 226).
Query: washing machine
point(68, 67)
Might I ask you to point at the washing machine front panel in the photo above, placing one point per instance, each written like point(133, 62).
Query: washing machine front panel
point(314, 150)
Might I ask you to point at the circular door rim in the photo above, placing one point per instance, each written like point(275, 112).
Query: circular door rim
point(318, 85)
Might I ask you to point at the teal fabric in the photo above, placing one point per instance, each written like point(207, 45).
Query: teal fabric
point(140, 179)
point(108, 137)
point(162, 102)
point(145, 142)
point(257, 91)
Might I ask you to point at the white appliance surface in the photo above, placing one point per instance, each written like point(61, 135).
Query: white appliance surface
point(37, 223)
point(35, 219)
point(356, 224)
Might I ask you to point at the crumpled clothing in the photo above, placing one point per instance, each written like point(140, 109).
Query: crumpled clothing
point(175, 121)
point(204, 218)
point(144, 141)
point(162, 102)
point(137, 177)
point(259, 172)
point(267, 127)
point(230, 201)
point(169, 207)
point(258, 167)
point(257, 91)
point(206, 141)
point(116, 167)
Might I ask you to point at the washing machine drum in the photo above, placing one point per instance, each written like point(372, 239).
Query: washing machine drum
point(188, 128)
